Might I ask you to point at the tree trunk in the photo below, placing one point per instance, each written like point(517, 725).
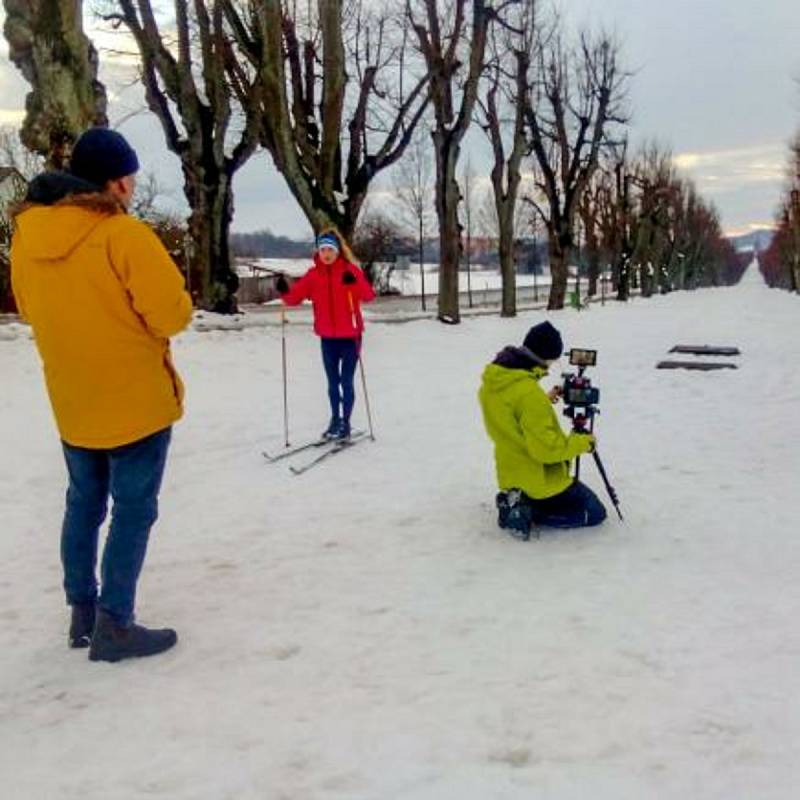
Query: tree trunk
point(624, 276)
point(210, 194)
point(421, 261)
point(560, 250)
point(508, 271)
point(646, 279)
point(593, 272)
point(48, 45)
point(447, 202)
point(444, 61)
point(588, 217)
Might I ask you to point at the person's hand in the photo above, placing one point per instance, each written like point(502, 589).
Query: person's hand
point(282, 285)
point(348, 279)
point(587, 440)
point(555, 394)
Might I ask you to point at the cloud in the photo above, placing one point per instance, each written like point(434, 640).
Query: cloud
point(723, 170)
point(750, 228)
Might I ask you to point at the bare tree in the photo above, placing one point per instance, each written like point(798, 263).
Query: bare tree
point(613, 219)
point(186, 87)
point(14, 186)
point(589, 216)
point(626, 217)
point(577, 102)
point(449, 38)
point(13, 153)
point(339, 102)
point(781, 264)
point(655, 229)
point(654, 175)
point(48, 45)
point(148, 190)
point(413, 188)
point(374, 244)
point(508, 91)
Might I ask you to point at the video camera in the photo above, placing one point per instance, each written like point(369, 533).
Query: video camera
point(580, 397)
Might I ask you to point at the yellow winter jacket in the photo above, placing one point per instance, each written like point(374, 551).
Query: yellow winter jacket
point(531, 450)
point(103, 297)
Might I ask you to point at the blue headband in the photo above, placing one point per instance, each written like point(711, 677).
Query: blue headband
point(328, 240)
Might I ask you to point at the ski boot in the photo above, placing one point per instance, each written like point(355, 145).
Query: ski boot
point(343, 432)
point(332, 431)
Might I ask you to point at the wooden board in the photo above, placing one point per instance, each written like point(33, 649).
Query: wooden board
point(705, 350)
point(704, 366)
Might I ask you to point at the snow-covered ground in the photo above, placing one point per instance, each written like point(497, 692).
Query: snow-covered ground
point(365, 632)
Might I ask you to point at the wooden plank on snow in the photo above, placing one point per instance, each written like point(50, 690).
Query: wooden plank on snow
point(705, 350)
point(704, 366)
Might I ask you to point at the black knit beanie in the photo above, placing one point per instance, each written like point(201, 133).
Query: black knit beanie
point(544, 341)
point(101, 155)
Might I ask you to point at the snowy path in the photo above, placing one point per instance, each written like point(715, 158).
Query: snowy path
point(364, 632)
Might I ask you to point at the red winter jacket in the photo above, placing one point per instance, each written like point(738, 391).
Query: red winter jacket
point(337, 306)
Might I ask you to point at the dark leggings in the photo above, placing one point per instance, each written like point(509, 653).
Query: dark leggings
point(340, 357)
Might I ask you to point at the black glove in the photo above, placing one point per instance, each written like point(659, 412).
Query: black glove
point(282, 285)
point(348, 279)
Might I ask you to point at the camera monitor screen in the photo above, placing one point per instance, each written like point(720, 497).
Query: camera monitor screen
point(582, 358)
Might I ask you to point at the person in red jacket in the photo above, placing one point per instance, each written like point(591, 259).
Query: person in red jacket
point(336, 288)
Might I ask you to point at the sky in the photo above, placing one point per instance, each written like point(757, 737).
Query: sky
point(716, 81)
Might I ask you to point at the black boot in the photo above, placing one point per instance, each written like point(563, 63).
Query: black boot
point(332, 431)
point(81, 625)
point(113, 642)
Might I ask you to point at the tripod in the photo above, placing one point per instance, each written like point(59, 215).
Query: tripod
point(579, 425)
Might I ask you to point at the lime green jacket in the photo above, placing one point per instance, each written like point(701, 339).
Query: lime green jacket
point(531, 451)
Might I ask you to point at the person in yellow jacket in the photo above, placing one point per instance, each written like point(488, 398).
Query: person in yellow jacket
point(532, 453)
point(103, 297)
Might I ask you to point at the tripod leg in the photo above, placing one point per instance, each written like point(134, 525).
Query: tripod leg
point(609, 488)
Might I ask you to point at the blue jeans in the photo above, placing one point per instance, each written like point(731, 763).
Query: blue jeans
point(340, 357)
point(575, 507)
point(131, 475)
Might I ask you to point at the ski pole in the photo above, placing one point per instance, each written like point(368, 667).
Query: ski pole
point(366, 393)
point(361, 369)
point(285, 383)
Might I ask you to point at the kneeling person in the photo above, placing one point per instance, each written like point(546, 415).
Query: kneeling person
point(532, 453)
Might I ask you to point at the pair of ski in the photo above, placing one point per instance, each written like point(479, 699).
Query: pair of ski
point(328, 448)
